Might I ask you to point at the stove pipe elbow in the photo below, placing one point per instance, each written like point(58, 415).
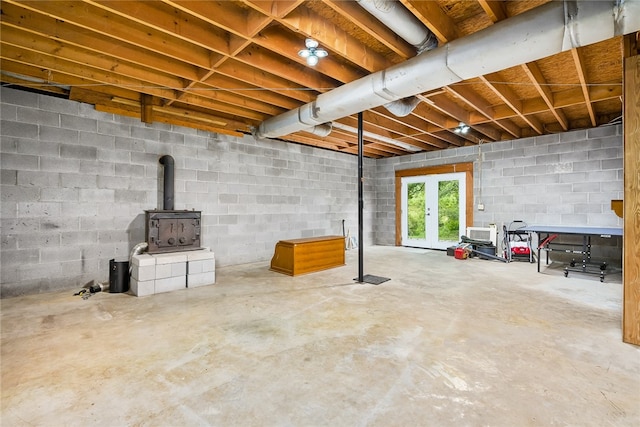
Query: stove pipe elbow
point(168, 163)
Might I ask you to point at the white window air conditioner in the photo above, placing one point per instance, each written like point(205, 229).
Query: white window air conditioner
point(489, 234)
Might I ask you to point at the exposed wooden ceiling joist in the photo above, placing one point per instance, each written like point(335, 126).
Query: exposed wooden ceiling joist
point(236, 62)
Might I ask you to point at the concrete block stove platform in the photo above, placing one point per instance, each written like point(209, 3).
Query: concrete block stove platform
point(157, 273)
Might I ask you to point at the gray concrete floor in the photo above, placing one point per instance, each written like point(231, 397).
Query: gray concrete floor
point(445, 342)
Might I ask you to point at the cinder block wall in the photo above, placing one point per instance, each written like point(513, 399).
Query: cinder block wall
point(75, 183)
point(560, 179)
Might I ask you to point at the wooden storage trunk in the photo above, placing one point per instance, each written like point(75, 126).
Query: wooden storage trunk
point(301, 256)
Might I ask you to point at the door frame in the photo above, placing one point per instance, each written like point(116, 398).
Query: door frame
point(466, 167)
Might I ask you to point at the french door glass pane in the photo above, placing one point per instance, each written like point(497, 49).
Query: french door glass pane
point(448, 210)
point(415, 210)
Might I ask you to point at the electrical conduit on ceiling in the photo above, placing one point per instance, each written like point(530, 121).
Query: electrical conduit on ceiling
point(541, 32)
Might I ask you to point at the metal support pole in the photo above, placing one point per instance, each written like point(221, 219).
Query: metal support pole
point(360, 201)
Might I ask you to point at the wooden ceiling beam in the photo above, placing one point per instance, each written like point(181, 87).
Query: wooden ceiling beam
point(336, 41)
point(374, 28)
point(312, 141)
point(148, 111)
point(575, 96)
point(603, 92)
point(564, 99)
point(61, 31)
point(501, 119)
point(186, 61)
point(339, 143)
point(423, 145)
point(149, 81)
point(424, 119)
point(52, 53)
point(268, 81)
point(229, 17)
point(196, 124)
point(244, 90)
point(511, 99)
point(459, 114)
point(167, 20)
point(382, 146)
point(434, 18)
point(55, 65)
point(480, 105)
point(288, 45)
point(382, 125)
point(582, 76)
point(352, 144)
point(491, 130)
point(286, 69)
point(15, 29)
point(225, 15)
point(90, 18)
point(337, 140)
point(17, 82)
point(413, 124)
point(496, 10)
point(540, 83)
point(371, 146)
point(434, 117)
point(224, 107)
point(125, 103)
point(274, 8)
point(472, 99)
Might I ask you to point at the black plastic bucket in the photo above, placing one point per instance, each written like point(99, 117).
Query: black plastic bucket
point(118, 276)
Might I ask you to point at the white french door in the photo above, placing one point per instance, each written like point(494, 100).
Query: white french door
point(433, 210)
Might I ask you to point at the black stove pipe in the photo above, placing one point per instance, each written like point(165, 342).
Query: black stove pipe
point(168, 163)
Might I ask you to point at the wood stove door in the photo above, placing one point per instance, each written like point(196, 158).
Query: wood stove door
point(167, 233)
point(188, 232)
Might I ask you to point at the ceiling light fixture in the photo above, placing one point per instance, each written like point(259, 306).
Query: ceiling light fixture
point(462, 128)
point(312, 53)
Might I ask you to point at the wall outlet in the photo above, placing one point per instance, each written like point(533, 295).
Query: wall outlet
point(480, 206)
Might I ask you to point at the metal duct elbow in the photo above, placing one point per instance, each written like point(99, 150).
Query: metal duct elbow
point(137, 250)
point(168, 196)
point(321, 130)
point(403, 107)
point(402, 22)
point(431, 42)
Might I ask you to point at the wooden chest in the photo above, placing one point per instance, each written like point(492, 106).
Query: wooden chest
point(301, 256)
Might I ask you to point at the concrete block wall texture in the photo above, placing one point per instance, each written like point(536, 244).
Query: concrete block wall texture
point(559, 179)
point(75, 184)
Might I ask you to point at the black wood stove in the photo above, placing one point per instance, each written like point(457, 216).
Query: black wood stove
point(170, 230)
